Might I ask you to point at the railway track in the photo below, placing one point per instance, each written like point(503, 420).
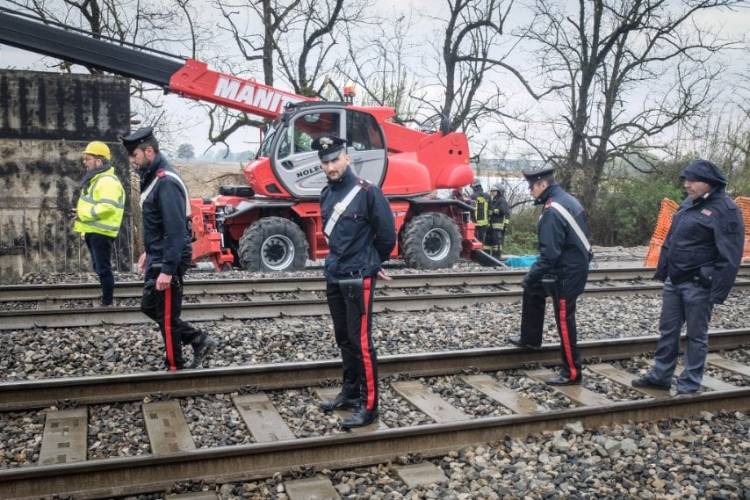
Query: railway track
point(264, 299)
point(276, 449)
point(54, 293)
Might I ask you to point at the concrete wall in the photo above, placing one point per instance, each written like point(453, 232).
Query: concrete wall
point(46, 120)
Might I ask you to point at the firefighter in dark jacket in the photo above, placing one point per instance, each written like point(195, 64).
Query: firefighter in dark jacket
point(165, 210)
point(359, 226)
point(481, 214)
point(499, 215)
point(560, 272)
point(698, 264)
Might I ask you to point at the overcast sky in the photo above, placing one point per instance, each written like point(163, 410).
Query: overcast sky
point(193, 122)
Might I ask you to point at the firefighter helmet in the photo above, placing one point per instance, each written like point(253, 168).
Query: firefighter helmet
point(98, 148)
point(498, 187)
point(476, 184)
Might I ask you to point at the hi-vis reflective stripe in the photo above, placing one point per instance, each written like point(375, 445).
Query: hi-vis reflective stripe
point(252, 94)
point(151, 187)
point(573, 224)
point(339, 209)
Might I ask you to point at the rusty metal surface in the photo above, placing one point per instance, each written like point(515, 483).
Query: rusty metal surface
point(268, 309)
point(132, 475)
point(29, 394)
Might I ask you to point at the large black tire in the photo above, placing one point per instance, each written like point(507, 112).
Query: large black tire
point(431, 241)
point(273, 244)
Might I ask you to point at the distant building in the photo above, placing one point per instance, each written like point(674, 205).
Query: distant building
point(492, 165)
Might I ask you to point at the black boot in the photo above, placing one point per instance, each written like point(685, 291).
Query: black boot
point(360, 419)
point(202, 349)
point(563, 380)
point(340, 402)
point(516, 341)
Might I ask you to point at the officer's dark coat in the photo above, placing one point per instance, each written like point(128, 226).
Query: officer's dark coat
point(560, 250)
point(165, 231)
point(706, 237)
point(365, 233)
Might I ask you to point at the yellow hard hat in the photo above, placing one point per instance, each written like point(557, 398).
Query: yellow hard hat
point(98, 148)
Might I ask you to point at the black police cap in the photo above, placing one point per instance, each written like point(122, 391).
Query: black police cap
point(533, 175)
point(132, 141)
point(328, 147)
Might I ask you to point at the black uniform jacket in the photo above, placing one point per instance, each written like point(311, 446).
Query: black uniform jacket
point(704, 242)
point(561, 252)
point(165, 229)
point(499, 209)
point(364, 234)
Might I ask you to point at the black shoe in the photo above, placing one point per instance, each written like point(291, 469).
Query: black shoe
point(561, 380)
point(646, 383)
point(516, 341)
point(360, 419)
point(201, 350)
point(340, 402)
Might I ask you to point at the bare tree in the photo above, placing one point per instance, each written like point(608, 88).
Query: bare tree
point(473, 47)
point(599, 58)
point(297, 46)
point(380, 64)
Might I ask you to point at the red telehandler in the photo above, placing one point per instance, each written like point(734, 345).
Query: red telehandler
point(274, 223)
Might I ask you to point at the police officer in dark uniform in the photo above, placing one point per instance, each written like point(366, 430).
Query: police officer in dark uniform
point(560, 272)
point(361, 233)
point(165, 210)
point(698, 264)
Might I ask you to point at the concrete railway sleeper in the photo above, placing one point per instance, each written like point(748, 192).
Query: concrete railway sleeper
point(386, 300)
point(512, 405)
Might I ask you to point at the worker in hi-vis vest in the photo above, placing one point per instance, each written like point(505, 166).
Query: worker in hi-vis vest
point(98, 213)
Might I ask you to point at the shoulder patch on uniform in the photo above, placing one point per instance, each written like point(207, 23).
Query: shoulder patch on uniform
point(365, 184)
point(161, 173)
point(707, 212)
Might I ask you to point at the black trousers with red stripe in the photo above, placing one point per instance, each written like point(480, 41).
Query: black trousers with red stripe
point(532, 325)
point(165, 308)
point(352, 325)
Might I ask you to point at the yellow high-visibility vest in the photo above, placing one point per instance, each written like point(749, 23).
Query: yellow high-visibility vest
point(101, 205)
point(482, 217)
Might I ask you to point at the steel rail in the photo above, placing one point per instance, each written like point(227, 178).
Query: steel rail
point(23, 319)
point(121, 476)
point(133, 289)
point(31, 394)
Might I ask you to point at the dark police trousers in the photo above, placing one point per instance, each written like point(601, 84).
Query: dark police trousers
point(165, 307)
point(532, 325)
point(685, 303)
point(352, 325)
point(100, 248)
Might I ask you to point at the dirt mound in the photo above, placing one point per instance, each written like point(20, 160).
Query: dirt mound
point(203, 178)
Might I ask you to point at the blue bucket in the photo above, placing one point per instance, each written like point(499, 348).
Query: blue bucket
point(521, 261)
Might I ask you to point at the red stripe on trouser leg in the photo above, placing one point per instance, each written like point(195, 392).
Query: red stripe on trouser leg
point(168, 329)
point(572, 371)
point(365, 347)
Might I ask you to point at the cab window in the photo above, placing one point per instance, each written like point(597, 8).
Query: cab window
point(306, 128)
point(362, 131)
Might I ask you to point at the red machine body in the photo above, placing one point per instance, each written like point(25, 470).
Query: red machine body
point(412, 166)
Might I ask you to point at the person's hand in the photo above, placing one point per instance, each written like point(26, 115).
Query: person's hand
point(142, 262)
point(383, 276)
point(163, 281)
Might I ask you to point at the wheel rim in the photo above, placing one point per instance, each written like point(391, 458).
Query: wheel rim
point(436, 244)
point(277, 252)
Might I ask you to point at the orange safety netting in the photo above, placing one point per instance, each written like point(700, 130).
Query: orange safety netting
point(663, 223)
point(744, 203)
